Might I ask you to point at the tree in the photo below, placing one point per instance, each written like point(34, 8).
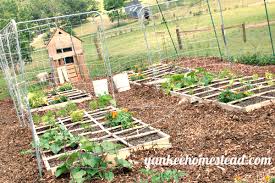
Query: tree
point(113, 7)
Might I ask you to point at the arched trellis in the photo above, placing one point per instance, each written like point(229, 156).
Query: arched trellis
point(16, 40)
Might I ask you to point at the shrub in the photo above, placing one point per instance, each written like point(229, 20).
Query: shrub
point(254, 59)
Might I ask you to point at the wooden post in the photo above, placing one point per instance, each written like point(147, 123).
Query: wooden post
point(98, 50)
point(244, 32)
point(179, 38)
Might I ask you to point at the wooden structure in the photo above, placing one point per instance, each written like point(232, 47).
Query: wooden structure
point(66, 57)
point(140, 136)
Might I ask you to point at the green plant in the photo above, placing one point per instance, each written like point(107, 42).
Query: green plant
point(93, 105)
point(48, 118)
point(65, 87)
point(254, 59)
point(161, 177)
point(137, 76)
point(36, 119)
point(90, 162)
point(178, 81)
point(61, 113)
point(59, 99)
point(70, 107)
point(57, 138)
point(53, 92)
point(37, 99)
point(229, 96)
point(101, 102)
point(121, 117)
point(77, 115)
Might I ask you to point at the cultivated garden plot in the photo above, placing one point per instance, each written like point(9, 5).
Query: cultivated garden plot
point(229, 91)
point(43, 100)
point(95, 127)
point(153, 74)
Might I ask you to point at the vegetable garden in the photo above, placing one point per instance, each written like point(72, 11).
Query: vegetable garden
point(88, 132)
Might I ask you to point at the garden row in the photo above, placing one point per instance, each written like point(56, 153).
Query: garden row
point(225, 89)
point(92, 143)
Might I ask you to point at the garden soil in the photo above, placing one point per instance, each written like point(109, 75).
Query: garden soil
point(195, 130)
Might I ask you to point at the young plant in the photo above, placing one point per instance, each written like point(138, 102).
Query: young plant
point(65, 87)
point(77, 115)
point(37, 99)
point(90, 162)
point(48, 118)
point(137, 76)
point(121, 117)
point(229, 96)
point(59, 99)
point(101, 102)
point(57, 138)
point(161, 177)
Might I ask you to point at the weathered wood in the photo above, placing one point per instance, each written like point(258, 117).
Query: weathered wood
point(179, 38)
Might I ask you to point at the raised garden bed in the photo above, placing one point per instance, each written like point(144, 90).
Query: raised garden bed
point(155, 74)
point(94, 126)
point(73, 95)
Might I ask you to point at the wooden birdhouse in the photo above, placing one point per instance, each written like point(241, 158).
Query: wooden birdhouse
point(67, 57)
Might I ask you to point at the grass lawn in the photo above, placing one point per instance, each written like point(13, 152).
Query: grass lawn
point(3, 87)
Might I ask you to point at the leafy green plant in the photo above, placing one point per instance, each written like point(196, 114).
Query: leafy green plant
point(37, 99)
point(77, 115)
point(101, 102)
point(90, 162)
point(57, 138)
point(59, 99)
point(36, 119)
point(65, 87)
point(48, 118)
point(139, 68)
point(229, 96)
point(177, 81)
point(161, 177)
point(121, 117)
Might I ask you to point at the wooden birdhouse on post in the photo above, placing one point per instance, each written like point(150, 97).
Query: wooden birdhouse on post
point(67, 57)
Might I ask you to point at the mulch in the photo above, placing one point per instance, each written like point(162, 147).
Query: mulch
point(195, 129)
point(216, 64)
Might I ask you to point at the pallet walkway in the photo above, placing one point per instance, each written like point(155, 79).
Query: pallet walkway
point(140, 136)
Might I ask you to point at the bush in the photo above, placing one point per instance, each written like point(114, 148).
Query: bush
point(254, 59)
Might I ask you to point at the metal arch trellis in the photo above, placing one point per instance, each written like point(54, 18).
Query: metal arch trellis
point(19, 74)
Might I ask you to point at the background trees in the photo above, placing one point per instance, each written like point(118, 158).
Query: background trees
point(114, 5)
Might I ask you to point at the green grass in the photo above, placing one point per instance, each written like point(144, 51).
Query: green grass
point(3, 88)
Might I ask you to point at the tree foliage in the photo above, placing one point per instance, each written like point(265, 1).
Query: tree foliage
point(113, 7)
point(36, 9)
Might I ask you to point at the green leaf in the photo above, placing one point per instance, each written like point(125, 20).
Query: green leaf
point(92, 172)
point(109, 147)
point(90, 160)
point(109, 176)
point(123, 163)
point(55, 148)
point(78, 175)
point(61, 170)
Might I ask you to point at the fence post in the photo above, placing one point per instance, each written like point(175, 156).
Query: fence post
point(179, 38)
point(244, 32)
point(98, 50)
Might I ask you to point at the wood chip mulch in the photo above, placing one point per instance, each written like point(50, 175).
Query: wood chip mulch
point(195, 130)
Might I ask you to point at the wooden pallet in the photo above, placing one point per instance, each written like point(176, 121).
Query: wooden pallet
point(131, 139)
point(74, 95)
point(210, 93)
point(155, 74)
